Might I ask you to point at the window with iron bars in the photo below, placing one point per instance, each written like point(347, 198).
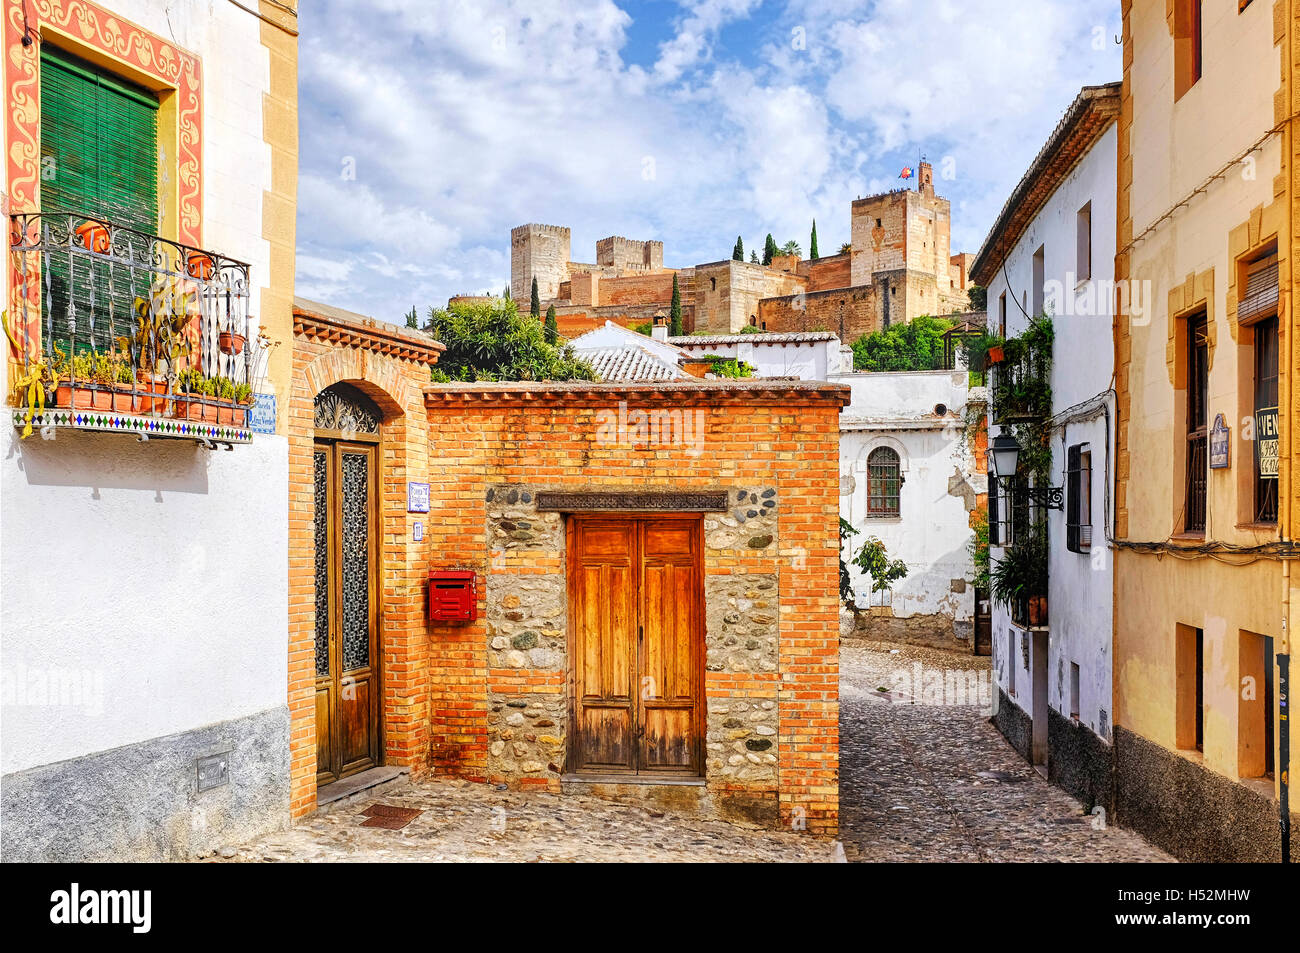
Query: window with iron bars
point(1078, 499)
point(1197, 431)
point(884, 483)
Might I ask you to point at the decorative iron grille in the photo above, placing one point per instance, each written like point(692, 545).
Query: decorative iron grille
point(125, 321)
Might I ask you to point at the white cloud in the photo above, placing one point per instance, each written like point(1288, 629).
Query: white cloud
point(429, 130)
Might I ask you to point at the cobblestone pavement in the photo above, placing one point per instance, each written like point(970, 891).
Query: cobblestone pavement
point(476, 822)
point(924, 782)
point(917, 783)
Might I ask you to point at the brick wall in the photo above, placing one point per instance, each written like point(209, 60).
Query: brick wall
point(494, 437)
point(390, 366)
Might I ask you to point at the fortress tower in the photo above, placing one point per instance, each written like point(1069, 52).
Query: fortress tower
point(541, 252)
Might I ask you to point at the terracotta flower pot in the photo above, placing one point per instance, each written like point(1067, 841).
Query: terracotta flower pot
point(148, 395)
point(187, 408)
point(230, 342)
point(94, 236)
point(65, 395)
point(199, 265)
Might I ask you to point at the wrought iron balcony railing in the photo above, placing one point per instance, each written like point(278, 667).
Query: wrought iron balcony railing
point(109, 322)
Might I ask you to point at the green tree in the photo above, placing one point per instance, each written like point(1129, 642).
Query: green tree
point(915, 346)
point(753, 258)
point(873, 559)
point(738, 253)
point(675, 311)
point(812, 243)
point(979, 298)
point(412, 320)
point(535, 308)
point(769, 249)
point(505, 293)
point(791, 248)
point(846, 248)
point(552, 326)
point(490, 341)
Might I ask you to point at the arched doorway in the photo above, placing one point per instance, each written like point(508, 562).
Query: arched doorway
point(346, 530)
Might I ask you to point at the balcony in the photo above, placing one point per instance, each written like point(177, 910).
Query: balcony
point(117, 330)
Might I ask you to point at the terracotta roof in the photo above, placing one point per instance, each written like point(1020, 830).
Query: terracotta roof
point(325, 322)
point(629, 364)
point(689, 391)
point(1091, 113)
point(762, 337)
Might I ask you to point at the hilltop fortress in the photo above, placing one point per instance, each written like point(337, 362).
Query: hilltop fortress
point(900, 266)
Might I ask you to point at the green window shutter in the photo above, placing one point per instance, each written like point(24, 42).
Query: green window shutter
point(99, 157)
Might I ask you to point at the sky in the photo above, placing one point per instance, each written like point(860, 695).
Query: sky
point(430, 128)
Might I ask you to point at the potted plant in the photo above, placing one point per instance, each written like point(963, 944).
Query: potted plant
point(231, 342)
point(157, 348)
point(1019, 578)
point(195, 394)
point(94, 236)
point(199, 265)
point(72, 380)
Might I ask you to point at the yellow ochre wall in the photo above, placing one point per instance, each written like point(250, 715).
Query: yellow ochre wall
point(1169, 153)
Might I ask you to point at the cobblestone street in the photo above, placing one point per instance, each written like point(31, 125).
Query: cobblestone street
point(476, 822)
point(918, 783)
point(938, 783)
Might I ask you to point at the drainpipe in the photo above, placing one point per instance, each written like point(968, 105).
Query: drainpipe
point(1284, 500)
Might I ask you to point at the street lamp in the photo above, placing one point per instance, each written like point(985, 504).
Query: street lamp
point(1006, 454)
point(1005, 450)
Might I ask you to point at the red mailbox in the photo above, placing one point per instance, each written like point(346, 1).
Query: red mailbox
point(453, 595)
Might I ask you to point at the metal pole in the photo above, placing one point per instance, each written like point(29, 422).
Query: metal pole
point(1284, 752)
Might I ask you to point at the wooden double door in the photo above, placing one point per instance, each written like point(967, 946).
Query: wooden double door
point(346, 644)
point(636, 632)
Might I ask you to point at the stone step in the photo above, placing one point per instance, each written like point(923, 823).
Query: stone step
point(375, 782)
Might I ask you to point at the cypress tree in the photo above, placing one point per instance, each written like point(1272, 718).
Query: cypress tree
point(535, 309)
point(812, 245)
point(552, 326)
point(675, 311)
point(738, 253)
point(769, 249)
point(753, 258)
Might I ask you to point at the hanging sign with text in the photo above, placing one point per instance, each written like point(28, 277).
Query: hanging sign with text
point(1266, 442)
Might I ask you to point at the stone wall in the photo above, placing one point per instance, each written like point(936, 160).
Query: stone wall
point(727, 293)
point(830, 272)
point(627, 254)
point(770, 563)
point(848, 313)
point(540, 251)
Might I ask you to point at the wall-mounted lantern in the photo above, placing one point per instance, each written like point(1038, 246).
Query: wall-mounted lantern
point(1005, 452)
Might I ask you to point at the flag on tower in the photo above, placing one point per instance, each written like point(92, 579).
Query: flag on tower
point(906, 173)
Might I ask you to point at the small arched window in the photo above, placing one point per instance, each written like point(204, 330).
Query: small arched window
point(883, 482)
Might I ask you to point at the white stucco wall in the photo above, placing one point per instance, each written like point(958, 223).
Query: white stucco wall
point(932, 530)
point(153, 574)
point(1080, 590)
point(806, 360)
point(150, 579)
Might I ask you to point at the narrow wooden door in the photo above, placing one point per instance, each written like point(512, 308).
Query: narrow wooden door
point(636, 625)
point(346, 651)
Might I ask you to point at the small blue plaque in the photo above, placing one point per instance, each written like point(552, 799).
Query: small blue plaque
point(1220, 444)
point(261, 416)
point(417, 531)
point(417, 497)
